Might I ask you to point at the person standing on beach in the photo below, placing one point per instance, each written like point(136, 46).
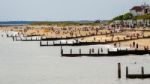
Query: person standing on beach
point(114, 44)
point(134, 44)
point(137, 46)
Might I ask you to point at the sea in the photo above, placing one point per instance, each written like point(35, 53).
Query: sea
point(10, 23)
point(28, 63)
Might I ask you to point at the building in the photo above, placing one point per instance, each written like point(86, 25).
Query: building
point(140, 10)
point(135, 11)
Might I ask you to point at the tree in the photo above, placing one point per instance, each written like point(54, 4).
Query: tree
point(118, 17)
point(127, 16)
point(97, 21)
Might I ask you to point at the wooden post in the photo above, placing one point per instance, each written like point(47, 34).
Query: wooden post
point(101, 49)
point(117, 49)
point(126, 72)
point(47, 43)
point(89, 51)
point(142, 71)
point(40, 43)
point(80, 51)
point(98, 51)
point(13, 38)
point(119, 70)
point(61, 51)
point(53, 42)
point(70, 51)
point(108, 50)
point(60, 42)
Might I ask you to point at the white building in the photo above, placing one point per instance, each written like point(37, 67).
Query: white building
point(140, 10)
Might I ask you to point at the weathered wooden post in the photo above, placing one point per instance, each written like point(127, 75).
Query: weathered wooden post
point(126, 72)
point(70, 51)
point(47, 43)
point(60, 42)
point(101, 49)
point(108, 50)
point(13, 38)
point(89, 51)
point(142, 71)
point(80, 51)
point(53, 42)
point(40, 43)
point(119, 70)
point(61, 51)
point(98, 51)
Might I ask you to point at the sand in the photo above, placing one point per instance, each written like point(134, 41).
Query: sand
point(93, 33)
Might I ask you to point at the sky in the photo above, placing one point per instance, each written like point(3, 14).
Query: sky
point(64, 10)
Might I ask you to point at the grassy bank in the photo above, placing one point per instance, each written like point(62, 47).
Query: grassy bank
point(66, 23)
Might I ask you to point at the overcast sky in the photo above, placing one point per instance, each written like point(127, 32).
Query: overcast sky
point(54, 10)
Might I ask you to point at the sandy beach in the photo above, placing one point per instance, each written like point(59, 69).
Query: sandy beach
point(90, 33)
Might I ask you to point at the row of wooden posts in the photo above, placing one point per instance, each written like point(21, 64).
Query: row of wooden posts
point(77, 43)
point(132, 76)
point(100, 52)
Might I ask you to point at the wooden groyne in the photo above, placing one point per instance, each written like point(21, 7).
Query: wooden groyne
point(100, 52)
point(110, 41)
point(132, 76)
point(77, 43)
point(11, 35)
point(75, 37)
point(26, 38)
point(56, 43)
